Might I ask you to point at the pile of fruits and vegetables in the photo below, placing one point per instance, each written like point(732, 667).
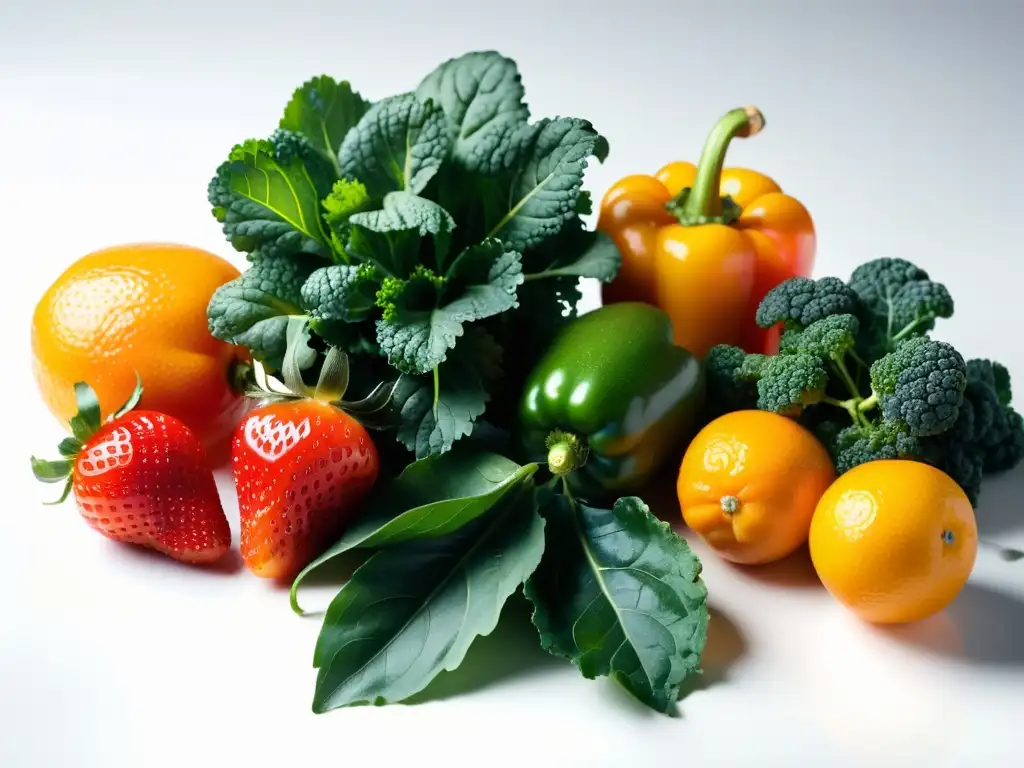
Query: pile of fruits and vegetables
point(401, 373)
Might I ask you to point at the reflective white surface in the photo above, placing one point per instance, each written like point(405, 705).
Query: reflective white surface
point(897, 125)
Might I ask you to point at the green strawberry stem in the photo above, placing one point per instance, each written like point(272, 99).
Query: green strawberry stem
point(84, 424)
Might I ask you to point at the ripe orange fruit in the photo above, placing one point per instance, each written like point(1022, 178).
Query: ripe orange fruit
point(894, 540)
point(749, 483)
point(139, 307)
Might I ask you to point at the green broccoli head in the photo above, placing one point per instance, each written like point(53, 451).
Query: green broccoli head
point(731, 380)
point(829, 338)
point(897, 300)
point(789, 383)
point(800, 301)
point(921, 384)
point(1008, 452)
point(987, 420)
point(860, 444)
point(965, 464)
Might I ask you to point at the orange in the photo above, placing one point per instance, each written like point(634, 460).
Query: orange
point(749, 482)
point(141, 308)
point(894, 541)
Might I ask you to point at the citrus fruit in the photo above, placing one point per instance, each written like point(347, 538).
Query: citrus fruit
point(749, 483)
point(139, 308)
point(894, 540)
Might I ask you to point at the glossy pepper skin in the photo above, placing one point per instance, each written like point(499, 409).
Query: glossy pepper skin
point(706, 244)
point(611, 399)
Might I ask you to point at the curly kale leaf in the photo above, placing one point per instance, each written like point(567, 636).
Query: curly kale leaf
point(535, 174)
point(392, 237)
point(253, 310)
point(461, 395)
point(399, 144)
point(324, 111)
point(800, 301)
point(921, 384)
point(420, 326)
point(347, 198)
point(340, 294)
point(267, 197)
point(477, 92)
point(897, 301)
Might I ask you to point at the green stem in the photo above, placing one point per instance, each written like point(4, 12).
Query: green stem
point(868, 403)
point(850, 406)
point(703, 203)
point(906, 331)
point(844, 374)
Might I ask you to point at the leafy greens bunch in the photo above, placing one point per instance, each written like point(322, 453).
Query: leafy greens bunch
point(856, 364)
point(436, 236)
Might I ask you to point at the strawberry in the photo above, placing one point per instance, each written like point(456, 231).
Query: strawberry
point(302, 467)
point(142, 478)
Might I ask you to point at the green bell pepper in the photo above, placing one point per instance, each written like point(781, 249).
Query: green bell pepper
point(611, 399)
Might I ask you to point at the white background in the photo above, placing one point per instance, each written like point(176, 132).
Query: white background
point(896, 123)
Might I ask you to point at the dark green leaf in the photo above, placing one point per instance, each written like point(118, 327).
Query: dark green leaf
point(540, 172)
point(461, 398)
point(267, 196)
point(324, 111)
point(88, 419)
point(483, 282)
point(69, 447)
point(339, 293)
point(413, 610)
point(432, 497)
point(620, 595)
point(398, 145)
point(390, 237)
point(477, 91)
point(253, 310)
point(600, 260)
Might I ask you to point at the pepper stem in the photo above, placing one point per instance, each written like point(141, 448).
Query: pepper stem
point(703, 203)
point(566, 452)
point(730, 504)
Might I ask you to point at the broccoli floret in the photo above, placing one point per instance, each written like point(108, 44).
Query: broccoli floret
point(964, 463)
point(1008, 452)
point(885, 440)
point(921, 384)
point(800, 301)
point(831, 337)
point(789, 383)
point(993, 426)
point(918, 304)
point(897, 300)
point(731, 380)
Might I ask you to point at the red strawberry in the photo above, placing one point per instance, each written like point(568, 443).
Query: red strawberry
point(142, 478)
point(301, 469)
